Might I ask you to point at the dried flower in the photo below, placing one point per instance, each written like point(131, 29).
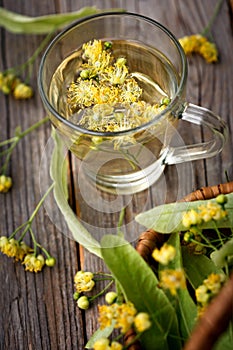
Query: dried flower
point(106, 80)
point(84, 281)
point(165, 254)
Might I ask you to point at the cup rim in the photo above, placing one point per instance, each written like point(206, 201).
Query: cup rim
point(144, 126)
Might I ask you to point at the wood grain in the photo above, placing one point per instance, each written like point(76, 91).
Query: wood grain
point(38, 311)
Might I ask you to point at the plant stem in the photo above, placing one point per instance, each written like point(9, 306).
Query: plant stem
point(206, 31)
point(34, 241)
point(102, 291)
point(40, 203)
point(33, 127)
point(14, 141)
point(34, 56)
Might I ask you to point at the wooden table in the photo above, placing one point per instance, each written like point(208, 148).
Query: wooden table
point(37, 311)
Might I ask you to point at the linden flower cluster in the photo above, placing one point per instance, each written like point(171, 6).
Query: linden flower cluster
point(11, 84)
point(123, 316)
point(206, 212)
point(199, 44)
point(106, 85)
point(173, 280)
point(20, 251)
point(141, 323)
point(208, 290)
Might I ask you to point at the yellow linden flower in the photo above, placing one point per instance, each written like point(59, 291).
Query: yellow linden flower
point(202, 295)
point(142, 322)
point(33, 263)
point(116, 346)
point(214, 282)
point(210, 288)
point(123, 315)
point(107, 314)
point(211, 211)
point(173, 280)
point(209, 51)
point(84, 281)
point(199, 44)
point(165, 254)
point(101, 344)
point(191, 218)
point(5, 183)
point(22, 91)
point(23, 249)
point(9, 247)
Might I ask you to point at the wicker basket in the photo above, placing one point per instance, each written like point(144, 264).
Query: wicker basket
point(205, 333)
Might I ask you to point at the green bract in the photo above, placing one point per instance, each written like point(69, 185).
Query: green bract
point(21, 24)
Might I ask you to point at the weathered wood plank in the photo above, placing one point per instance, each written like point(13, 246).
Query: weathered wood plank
point(38, 311)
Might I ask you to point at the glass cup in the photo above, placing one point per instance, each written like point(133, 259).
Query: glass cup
point(128, 160)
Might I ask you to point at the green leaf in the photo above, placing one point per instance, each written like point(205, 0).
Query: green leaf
point(58, 172)
point(225, 341)
point(17, 23)
point(167, 218)
point(198, 267)
point(99, 334)
point(140, 285)
point(224, 254)
point(185, 307)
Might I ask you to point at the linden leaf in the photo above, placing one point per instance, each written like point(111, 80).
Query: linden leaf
point(17, 23)
point(58, 172)
point(167, 218)
point(140, 286)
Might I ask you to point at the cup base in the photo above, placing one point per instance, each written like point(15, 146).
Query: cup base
point(127, 184)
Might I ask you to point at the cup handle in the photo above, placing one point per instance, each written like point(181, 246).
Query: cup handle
point(199, 116)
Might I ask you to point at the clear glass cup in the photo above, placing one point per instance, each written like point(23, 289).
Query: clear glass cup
point(130, 160)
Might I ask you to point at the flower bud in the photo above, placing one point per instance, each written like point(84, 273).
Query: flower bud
point(110, 297)
point(221, 199)
point(76, 296)
point(83, 303)
point(50, 261)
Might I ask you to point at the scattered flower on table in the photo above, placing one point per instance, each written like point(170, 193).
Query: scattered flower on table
point(11, 84)
point(84, 281)
point(199, 44)
point(33, 263)
point(5, 183)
